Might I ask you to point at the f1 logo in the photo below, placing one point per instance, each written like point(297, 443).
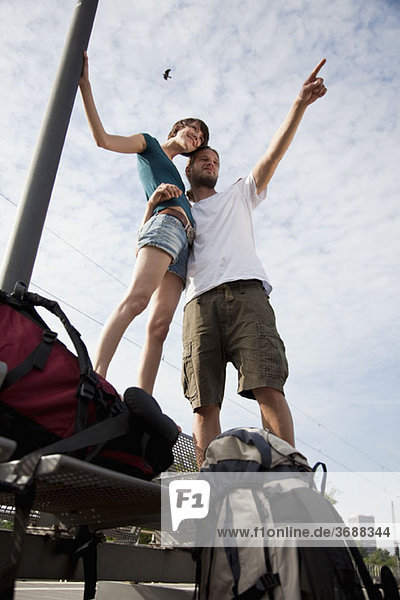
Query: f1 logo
point(188, 500)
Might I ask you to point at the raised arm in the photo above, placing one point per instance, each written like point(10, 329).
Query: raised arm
point(117, 143)
point(312, 89)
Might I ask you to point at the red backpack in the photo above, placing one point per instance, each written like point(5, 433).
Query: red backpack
point(48, 394)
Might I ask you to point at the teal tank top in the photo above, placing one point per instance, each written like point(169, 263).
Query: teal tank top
point(154, 168)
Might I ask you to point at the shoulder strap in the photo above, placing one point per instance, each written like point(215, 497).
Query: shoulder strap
point(255, 439)
point(53, 307)
point(265, 583)
point(372, 592)
point(23, 506)
point(36, 359)
point(95, 435)
point(324, 476)
point(24, 302)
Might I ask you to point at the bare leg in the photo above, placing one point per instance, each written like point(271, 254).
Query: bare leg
point(151, 265)
point(275, 413)
point(162, 308)
point(206, 427)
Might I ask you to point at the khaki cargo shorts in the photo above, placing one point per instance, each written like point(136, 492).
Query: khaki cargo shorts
point(235, 323)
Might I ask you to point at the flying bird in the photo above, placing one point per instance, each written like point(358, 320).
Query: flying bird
point(167, 74)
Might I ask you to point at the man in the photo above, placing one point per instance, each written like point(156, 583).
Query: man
point(228, 317)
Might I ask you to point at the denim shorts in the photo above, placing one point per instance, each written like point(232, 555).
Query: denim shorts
point(167, 233)
point(234, 322)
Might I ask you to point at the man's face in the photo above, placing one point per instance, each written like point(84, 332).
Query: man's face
point(204, 169)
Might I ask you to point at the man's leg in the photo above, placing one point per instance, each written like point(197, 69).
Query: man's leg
point(258, 353)
point(275, 413)
point(203, 367)
point(206, 427)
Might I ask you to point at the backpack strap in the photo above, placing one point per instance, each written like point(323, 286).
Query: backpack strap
point(232, 556)
point(96, 435)
point(53, 307)
point(36, 359)
point(372, 592)
point(196, 555)
point(24, 301)
point(87, 543)
point(23, 506)
point(324, 476)
point(208, 585)
point(265, 583)
point(232, 553)
point(252, 438)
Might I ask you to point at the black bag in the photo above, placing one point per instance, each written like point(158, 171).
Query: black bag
point(275, 573)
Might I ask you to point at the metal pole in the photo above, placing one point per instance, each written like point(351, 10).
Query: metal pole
point(25, 238)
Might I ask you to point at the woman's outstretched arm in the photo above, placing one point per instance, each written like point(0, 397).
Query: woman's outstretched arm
point(131, 144)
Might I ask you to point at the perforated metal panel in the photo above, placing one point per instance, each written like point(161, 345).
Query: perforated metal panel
point(184, 455)
point(81, 493)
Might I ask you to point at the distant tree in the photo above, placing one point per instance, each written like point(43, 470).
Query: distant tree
point(145, 537)
point(4, 524)
point(331, 495)
point(381, 557)
point(364, 552)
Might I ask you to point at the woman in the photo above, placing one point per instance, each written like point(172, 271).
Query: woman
point(163, 244)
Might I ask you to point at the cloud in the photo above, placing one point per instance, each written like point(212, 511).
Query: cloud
point(327, 232)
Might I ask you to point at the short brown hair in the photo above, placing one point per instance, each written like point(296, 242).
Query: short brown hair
point(186, 123)
point(193, 154)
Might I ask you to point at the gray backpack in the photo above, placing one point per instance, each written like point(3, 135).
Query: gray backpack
point(274, 573)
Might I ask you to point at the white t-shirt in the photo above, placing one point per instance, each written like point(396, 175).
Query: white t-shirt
point(224, 247)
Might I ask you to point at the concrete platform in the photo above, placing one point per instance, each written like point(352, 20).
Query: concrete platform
point(48, 590)
point(106, 590)
point(134, 591)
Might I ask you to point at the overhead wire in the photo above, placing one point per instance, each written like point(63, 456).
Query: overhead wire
point(79, 251)
point(129, 340)
point(226, 397)
point(319, 451)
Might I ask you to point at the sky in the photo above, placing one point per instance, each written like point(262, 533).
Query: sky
point(327, 233)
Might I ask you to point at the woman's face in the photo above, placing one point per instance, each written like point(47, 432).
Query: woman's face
point(190, 137)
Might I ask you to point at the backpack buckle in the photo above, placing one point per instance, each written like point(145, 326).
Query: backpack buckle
point(268, 581)
point(87, 386)
point(49, 336)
